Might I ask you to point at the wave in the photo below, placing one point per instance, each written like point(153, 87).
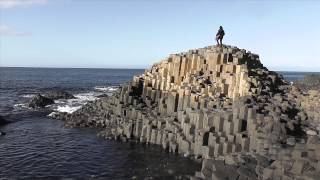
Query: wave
point(68, 109)
point(52, 114)
point(106, 88)
point(90, 96)
point(72, 105)
point(28, 95)
point(20, 105)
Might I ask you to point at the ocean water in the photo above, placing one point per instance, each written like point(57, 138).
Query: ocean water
point(38, 147)
point(293, 76)
point(18, 85)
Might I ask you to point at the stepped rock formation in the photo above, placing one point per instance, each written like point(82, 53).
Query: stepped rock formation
point(218, 104)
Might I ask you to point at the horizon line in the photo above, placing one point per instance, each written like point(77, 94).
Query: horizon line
point(135, 68)
point(45, 67)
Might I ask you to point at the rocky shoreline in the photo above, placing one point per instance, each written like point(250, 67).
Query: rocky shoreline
point(309, 82)
point(219, 105)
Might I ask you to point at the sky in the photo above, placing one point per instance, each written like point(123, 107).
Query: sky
point(138, 33)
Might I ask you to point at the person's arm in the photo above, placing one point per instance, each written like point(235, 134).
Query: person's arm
point(218, 33)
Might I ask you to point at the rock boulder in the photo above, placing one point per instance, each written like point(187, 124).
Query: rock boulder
point(39, 101)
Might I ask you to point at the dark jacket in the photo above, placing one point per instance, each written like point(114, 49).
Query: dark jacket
point(220, 33)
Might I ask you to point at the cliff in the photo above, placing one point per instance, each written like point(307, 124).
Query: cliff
point(218, 104)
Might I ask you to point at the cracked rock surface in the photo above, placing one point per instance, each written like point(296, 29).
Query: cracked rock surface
point(219, 104)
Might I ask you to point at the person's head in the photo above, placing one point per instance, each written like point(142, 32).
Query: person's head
point(221, 27)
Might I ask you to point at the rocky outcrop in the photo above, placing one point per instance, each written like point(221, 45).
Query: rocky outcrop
point(218, 104)
point(309, 99)
point(59, 95)
point(310, 103)
point(39, 101)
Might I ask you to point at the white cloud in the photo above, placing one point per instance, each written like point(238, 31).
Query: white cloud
point(5, 4)
point(7, 31)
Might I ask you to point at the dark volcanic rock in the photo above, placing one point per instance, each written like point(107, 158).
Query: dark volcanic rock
point(39, 101)
point(59, 95)
point(3, 121)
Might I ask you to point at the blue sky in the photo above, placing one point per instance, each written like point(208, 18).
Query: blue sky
point(136, 34)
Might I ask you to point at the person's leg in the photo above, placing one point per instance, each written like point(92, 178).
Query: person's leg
point(221, 41)
point(217, 39)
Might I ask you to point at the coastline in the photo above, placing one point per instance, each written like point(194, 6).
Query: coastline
point(152, 109)
point(93, 99)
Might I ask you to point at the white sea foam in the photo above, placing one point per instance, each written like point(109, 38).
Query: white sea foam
point(101, 88)
point(52, 114)
point(68, 109)
point(106, 88)
point(59, 101)
point(28, 95)
point(90, 96)
point(21, 105)
point(72, 105)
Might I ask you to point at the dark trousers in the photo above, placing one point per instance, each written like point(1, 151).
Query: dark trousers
point(219, 38)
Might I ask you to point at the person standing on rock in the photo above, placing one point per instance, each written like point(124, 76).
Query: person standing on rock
point(219, 36)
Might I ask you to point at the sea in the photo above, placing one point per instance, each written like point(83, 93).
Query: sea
point(38, 147)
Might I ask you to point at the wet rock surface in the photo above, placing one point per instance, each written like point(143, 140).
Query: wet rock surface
point(39, 101)
point(217, 104)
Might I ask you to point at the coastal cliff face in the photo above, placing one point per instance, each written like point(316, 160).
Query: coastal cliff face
point(219, 104)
